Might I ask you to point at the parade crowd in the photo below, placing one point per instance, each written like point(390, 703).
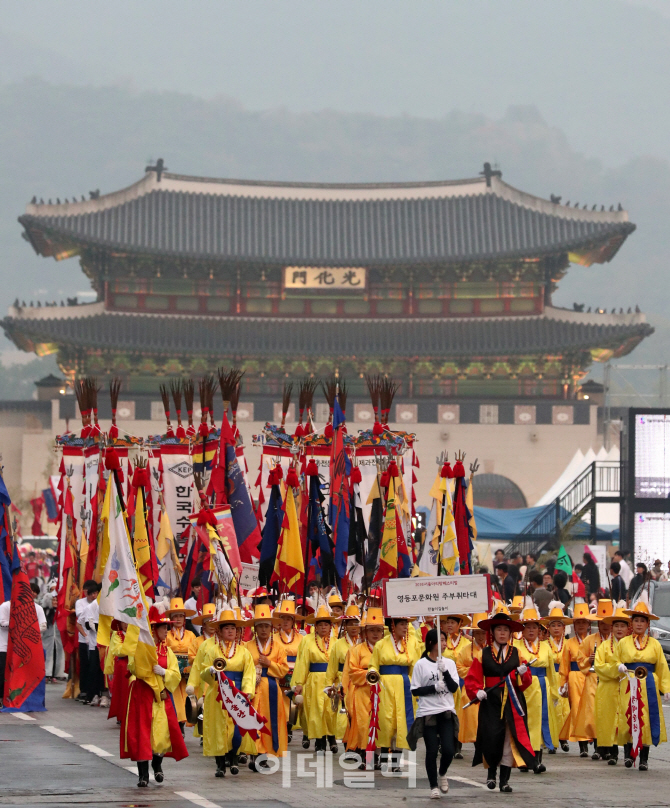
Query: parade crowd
point(529, 679)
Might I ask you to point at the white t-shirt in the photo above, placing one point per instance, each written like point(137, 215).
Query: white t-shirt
point(193, 606)
point(4, 625)
point(426, 673)
point(86, 612)
point(4, 622)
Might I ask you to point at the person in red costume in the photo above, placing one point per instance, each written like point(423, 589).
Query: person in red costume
point(151, 728)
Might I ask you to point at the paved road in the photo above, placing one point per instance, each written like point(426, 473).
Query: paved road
point(69, 756)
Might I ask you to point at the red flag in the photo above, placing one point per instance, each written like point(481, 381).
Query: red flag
point(580, 590)
point(25, 658)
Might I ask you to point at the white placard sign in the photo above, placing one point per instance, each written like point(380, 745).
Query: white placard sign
point(446, 594)
point(249, 576)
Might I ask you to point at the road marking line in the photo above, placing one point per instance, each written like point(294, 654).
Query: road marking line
point(89, 747)
point(23, 716)
point(196, 799)
point(56, 731)
point(467, 781)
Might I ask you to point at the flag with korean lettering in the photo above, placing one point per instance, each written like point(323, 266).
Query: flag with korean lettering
point(178, 487)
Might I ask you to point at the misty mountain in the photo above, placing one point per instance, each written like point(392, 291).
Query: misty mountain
point(597, 69)
point(63, 141)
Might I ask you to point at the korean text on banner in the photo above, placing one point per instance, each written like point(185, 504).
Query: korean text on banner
point(249, 577)
point(457, 594)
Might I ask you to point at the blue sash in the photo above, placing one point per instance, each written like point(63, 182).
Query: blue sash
point(541, 674)
point(401, 670)
point(318, 667)
point(274, 719)
point(340, 667)
point(652, 699)
point(236, 678)
point(574, 667)
point(291, 658)
point(556, 666)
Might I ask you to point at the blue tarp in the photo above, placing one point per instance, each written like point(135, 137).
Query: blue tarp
point(493, 523)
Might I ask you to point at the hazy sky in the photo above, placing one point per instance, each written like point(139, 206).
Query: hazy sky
point(598, 69)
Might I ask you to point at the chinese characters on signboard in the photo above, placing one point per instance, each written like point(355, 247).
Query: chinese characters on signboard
point(334, 278)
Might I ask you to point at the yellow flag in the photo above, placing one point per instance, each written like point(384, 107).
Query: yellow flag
point(388, 552)
point(289, 564)
point(141, 545)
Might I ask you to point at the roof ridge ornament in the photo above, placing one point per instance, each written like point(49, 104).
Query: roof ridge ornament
point(159, 168)
point(489, 172)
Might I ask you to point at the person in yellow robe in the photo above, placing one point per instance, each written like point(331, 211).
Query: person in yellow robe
point(350, 636)
point(179, 640)
point(556, 622)
point(641, 650)
point(539, 706)
point(572, 672)
point(586, 716)
point(289, 638)
point(393, 658)
point(464, 659)
point(309, 681)
point(607, 692)
point(221, 738)
point(196, 652)
point(271, 667)
point(355, 683)
point(453, 626)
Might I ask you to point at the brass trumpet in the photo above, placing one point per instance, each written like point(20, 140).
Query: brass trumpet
point(640, 672)
point(372, 677)
point(219, 664)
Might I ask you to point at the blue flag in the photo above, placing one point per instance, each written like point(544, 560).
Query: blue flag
point(270, 533)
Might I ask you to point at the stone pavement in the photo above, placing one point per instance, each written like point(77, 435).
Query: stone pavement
point(70, 756)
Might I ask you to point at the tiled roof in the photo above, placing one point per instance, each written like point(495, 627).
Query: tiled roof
point(263, 337)
point(327, 225)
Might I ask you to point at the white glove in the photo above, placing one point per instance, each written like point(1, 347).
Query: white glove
point(482, 695)
point(623, 668)
point(190, 690)
point(440, 686)
point(441, 664)
point(158, 670)
point(522, 669)
point(212, 671)
point(563, 690)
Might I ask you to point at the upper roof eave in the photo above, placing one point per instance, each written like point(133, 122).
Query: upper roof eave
point(33, 225)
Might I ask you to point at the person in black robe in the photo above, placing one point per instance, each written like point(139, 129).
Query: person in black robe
point(500, 676)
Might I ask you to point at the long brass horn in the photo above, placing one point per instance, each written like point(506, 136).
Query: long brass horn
point(641, 672)
point(219, 664)
point(372, 677)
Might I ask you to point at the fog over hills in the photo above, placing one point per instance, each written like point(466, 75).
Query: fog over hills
point(567, 97)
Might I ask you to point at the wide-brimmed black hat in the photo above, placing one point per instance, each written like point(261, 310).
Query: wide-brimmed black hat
point(500, 619)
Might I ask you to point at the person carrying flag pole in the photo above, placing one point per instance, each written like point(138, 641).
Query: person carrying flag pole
point(151, 727)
